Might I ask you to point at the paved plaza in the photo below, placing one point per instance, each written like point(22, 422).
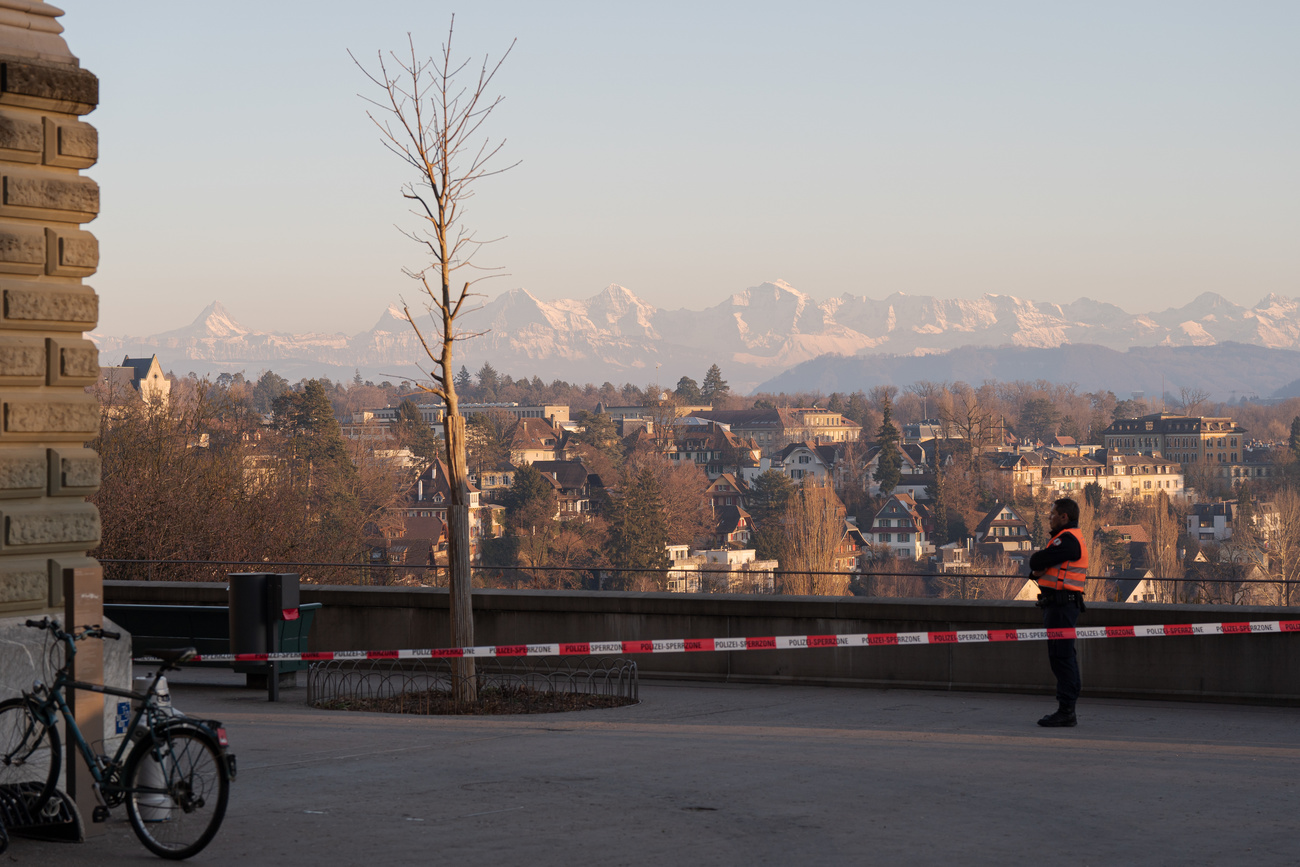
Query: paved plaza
point(726, 774)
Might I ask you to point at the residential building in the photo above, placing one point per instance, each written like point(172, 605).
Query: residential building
point(926, 430)
point(1211, 522)
point(1004, 528)
point(430, 496)
point(136, 379)
point(533, 439)
point(710, 446)
point(725, 490)
point(733, 528)
point(773, 429)
point(805, 460)
point(574, 486)
point(899, 529)
point(719, 571)
point(1134, 585)
point(628, 418)
point(1066, 475)
point(493, 482)
point(1142, 476)
point(914, 475)
point(1134, 546)
point(1185, 439)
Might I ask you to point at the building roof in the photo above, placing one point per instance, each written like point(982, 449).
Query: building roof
point(568, 475)
point(744, 418)
point(532, 434)
point(1128, 532)
point(730, 518)
point(994, 519)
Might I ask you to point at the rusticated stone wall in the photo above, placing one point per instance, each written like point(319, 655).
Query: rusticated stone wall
point(46, 414)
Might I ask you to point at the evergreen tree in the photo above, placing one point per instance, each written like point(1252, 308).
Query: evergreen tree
point(857, 408)
point(487, 439)
point(890, 468)
point(488, 382)
point(1294, 441)
point(530, 503)
point(598, 431)
point(715, 388)
point(308, 417)
point(688, 390)
point(268, 388)
point(463, 380)
point(1038, 419)
point(938, 504)
point(414, 433)
point(639, 530)
point(766, 503)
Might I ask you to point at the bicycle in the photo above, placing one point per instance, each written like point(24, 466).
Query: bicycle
point(175, 779)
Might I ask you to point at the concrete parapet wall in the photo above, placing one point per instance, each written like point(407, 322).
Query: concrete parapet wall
point(1263, 668)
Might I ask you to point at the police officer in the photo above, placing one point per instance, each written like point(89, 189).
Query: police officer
point(1061, 569)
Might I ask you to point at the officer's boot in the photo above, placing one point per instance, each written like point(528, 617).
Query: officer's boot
point(1063, 718)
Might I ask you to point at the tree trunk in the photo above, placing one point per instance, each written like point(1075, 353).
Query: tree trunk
point(458, 558)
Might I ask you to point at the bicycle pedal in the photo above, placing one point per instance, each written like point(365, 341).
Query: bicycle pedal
point(99, 814)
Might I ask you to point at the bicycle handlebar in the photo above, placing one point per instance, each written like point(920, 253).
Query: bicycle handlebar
point(85, 632)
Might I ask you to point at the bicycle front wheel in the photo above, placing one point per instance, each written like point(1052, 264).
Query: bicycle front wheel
point(29, 754)
point(177, 785)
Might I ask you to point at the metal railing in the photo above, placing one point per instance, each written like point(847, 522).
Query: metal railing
point(876, 583)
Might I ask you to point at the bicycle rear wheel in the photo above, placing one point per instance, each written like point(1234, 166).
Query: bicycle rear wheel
point(177, 785)
point(29, 754)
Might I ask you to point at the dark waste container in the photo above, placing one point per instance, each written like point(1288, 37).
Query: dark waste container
point(259, 603)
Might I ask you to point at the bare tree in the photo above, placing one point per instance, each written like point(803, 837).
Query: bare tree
point(1192, 400)
point(432, 121)
point(814, 528)
point(1166, 566)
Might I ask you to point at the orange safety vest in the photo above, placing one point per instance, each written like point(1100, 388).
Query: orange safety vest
point(1071, 574)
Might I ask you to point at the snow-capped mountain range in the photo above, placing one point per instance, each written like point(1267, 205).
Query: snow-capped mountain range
point(753, 335)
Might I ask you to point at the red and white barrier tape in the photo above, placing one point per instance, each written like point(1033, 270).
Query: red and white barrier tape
point(776, 642)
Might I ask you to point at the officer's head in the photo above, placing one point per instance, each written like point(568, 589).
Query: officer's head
point(1064, 512)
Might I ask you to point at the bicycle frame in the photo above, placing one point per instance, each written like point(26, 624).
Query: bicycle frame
point(99, 766)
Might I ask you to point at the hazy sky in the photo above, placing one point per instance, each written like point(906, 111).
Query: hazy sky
point(1137, 153)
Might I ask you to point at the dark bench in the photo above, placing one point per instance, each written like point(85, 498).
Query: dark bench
point(206, 628)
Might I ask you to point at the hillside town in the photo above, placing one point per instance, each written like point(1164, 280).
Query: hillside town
point(937, 489)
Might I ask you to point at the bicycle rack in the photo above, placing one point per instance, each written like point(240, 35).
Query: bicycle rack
point(58, 820)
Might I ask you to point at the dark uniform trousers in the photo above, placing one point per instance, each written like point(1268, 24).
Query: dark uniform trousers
point(1063, 613)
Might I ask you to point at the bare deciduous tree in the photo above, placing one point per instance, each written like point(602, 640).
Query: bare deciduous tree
point(433, 122)
point(814, 527)
point(1192, 400)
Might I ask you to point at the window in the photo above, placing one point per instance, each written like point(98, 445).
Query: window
point(885, 537)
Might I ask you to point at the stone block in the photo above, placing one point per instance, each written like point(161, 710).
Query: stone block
point(61, 416)
point(70, 253)
point(24, 584)
point(22, 361)
point(52, 87)
point(74, 472)
point(22, 249)
point(72, 362)
point(49, 308)
point(23, 473)
point(40, 196)
point(48, 526)
point(70, 143)
point(21, 138)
